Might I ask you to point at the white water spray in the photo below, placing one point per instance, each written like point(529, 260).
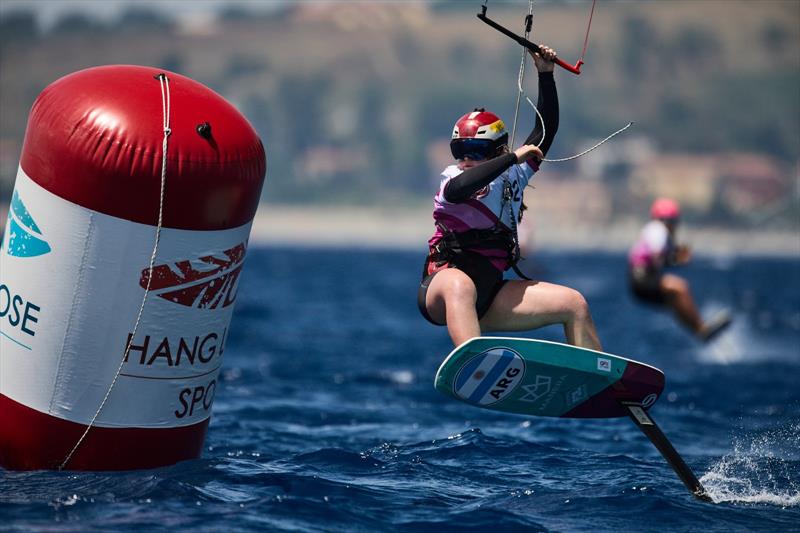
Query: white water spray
point(761, 469)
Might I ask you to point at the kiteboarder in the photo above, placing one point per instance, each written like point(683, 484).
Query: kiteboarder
point(656, 250)
point(476, 212)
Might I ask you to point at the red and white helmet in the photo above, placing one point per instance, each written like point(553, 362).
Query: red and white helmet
point(478, 135)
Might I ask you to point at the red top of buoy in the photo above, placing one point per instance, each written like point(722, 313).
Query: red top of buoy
point(95, 137)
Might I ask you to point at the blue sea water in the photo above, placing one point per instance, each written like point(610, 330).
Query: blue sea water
point(326, 418)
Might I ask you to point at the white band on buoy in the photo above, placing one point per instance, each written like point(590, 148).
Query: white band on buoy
point(59, 362)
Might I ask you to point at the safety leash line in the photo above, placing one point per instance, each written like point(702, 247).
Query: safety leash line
point(521, 91)
point(576, 156)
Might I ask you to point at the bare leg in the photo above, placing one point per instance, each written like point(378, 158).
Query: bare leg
point(526, 305)
point(451, 299)
point(679, 299)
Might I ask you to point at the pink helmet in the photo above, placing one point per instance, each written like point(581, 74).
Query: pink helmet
point(478, 135)
point(665, 208)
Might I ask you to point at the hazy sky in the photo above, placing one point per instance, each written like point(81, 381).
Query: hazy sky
point(49, 11)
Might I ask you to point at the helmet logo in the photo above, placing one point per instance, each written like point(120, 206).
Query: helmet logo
point(497, 126)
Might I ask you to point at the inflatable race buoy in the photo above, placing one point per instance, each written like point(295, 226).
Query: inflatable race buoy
point(119, 269)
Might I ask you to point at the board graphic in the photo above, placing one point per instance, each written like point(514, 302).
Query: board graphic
point(543, 378)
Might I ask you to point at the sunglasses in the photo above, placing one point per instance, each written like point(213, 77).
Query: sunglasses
point(475, 149)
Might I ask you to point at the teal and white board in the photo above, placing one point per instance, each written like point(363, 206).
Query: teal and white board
point(544, 378)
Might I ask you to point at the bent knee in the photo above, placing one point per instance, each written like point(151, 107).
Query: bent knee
point(461, 289)
point(674, 284)
point(454, 286)
point(576, 304)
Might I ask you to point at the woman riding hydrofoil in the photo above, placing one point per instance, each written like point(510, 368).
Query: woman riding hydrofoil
point(476, 210)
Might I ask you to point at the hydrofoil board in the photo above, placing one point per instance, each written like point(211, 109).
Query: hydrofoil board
point(543, 378)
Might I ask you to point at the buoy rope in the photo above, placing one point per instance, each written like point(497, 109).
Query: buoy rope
point(165, 112)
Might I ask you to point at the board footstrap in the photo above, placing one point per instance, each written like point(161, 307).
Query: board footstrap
point(651, 430)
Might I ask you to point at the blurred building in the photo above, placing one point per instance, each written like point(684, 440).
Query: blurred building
point(724, 185)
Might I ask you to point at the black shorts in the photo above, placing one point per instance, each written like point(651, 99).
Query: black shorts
point(487, 279)
point(645, 284)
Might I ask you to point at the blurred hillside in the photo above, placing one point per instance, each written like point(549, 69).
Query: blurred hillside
point(355, 100)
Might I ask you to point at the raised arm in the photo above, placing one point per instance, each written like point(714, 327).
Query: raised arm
point(547, 102)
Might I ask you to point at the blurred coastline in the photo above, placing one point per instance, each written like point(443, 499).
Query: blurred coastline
point(410, 228)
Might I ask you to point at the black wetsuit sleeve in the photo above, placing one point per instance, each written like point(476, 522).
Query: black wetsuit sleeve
point(463, 186)
point(548, 107)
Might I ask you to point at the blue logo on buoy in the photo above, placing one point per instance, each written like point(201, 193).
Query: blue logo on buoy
point(23, 236)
